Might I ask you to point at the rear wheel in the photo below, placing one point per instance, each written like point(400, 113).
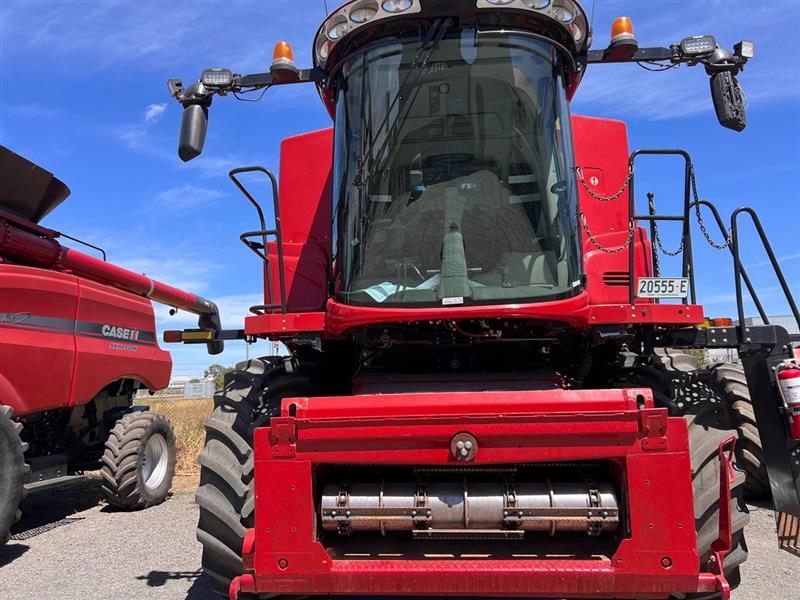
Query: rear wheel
point(251, 395)
point(688, 390)
point(729, 381)
point(704, 443)
point(682, 385)
point(12, 472)
point(139, 461)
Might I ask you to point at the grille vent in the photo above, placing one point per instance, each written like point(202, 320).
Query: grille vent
point(617, 278)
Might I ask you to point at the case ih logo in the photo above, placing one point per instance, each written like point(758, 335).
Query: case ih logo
point(120, 333)
point(14, 317)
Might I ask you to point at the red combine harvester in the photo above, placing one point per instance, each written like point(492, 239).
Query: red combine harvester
point(485, 393)
point(77, 339)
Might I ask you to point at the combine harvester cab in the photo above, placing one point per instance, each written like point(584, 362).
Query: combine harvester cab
point(77, 340)
point(485, 393)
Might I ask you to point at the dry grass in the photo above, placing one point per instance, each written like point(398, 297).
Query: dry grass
point(187, 418)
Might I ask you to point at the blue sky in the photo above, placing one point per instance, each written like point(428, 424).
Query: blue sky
point(83, 93)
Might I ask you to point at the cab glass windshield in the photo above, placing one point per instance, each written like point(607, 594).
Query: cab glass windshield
point(452, 174)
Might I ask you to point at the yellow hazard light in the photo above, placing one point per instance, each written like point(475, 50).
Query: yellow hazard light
point(623, 44)
point(283, 67)
point(283, 53)
point(622, 28)
point(722, 322)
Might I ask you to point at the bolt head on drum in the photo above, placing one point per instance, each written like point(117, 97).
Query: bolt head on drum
point(464, 447)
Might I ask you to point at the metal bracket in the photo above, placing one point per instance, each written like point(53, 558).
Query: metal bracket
point(242, 583)
point(724, 543)
point(595, 514)
point(283, 437)
point(468, 534)
point(653, 425)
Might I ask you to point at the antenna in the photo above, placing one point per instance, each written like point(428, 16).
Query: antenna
point(325, 2)
point(591, 20)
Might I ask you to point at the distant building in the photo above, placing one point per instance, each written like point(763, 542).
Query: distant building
point(732, 355)
point(787, 322)
point(199, 389)
point(183, 389)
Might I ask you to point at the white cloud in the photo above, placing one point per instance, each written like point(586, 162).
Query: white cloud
point(135, 135)
point(186, 197)
point(154, 112)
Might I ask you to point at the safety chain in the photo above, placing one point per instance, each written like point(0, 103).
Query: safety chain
point(729, 240)
point(651, 202)
point(599, 246)
point(601, 198)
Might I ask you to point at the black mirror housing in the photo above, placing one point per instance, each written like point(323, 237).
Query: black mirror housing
point(728, 101)
point(194, 125)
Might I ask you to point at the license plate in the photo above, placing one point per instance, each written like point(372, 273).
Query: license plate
point(663, 287)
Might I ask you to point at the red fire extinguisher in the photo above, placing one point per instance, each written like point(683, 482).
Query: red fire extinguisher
point(789, 382)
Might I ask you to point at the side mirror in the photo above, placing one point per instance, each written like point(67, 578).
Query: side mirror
point(194, 125)
point(728, 101)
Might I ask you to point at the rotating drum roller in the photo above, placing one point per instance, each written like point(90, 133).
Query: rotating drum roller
point(468, 506)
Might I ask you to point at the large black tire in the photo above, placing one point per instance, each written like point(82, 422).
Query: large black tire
point(729, 381)
point(685, 388)
point(139, 461)
point(250, 396)
point(681, 384)
point(12, 472)
point(704, 442)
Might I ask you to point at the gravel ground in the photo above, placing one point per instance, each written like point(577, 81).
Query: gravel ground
point(95, 553)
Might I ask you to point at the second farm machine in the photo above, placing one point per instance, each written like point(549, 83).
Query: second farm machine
point(487, 390)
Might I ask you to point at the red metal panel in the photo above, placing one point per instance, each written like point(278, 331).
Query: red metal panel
point(601, 153)
point(657, 558)
point(306, 268)
point(121, 343)
point(306, 213)
point(457, 404)
point(276, 325)
point(575, 311)
point(687, 314)
point(37, 343)
point(342, 317)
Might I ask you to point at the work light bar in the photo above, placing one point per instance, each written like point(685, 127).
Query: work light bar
point(698, 45)
point(217, 78)
point(357, 14)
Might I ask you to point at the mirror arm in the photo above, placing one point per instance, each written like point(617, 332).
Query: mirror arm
point(642, 54)
point(733, 67)
point(673, 54)
point(259, 80)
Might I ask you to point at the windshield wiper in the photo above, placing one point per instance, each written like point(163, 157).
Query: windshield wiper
point(430, 42)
